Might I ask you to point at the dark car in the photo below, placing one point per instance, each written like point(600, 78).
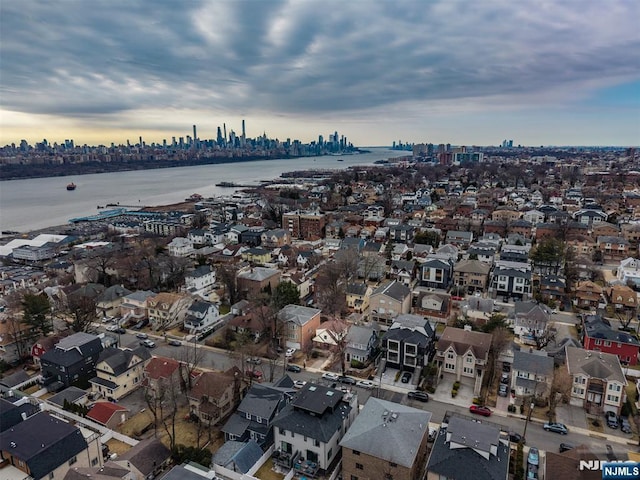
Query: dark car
point(141, 324)
point(480, 410)
point(625, 426)
point(406, 376)
point(418, 395)
point(120, 330)
point(564, 447)
point(503, 391)
point(612, 419)
point(532, 472)
point(347, 380)
point(504, 378)
point(556, 428)
point(292, 367)
point(516, 438)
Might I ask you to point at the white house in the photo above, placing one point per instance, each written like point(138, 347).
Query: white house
point(200, 281)
point(629, 271)
point(201, 316)
point(180, 247)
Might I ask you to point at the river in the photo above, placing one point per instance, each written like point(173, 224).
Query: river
point(37, 203)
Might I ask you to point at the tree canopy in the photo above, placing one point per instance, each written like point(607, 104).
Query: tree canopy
point(36, 309)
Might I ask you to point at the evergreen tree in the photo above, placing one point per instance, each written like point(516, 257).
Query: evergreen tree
point(36, 310)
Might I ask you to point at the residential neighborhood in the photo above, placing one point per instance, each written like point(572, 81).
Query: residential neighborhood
point(299, 329)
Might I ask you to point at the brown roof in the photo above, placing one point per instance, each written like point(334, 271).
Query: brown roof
point(566, 465)
point(213, 384)
point(161, 367)
point(462, 340)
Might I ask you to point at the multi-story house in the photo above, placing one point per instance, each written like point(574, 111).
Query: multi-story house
point(257, 255)
point(409, 343)
point(624, 300)
point(463, 354)
point(255, 280)
point(515, 253)
point(530, 321)
point(553, 288)
point(72, 361)
point(307, 432)
point(300, 325)
point(200, 281)
point(388, 301)
point(466, 448)
point(436, 273)
point(598, 335)
point(253, 419)
point(433, 306)
point(361, 344)
point(510, 279)
point(214, 395)
point(402, 233)
point(380, 423)
point(472, 275)
point(108, 302)
point(483, 251)
point(166, 309)
point(201, 317)
point(532, 373)
point(604, 229)
point(403, 271)
point(160, 372)
point(533, 216)
point(134, 306)
point(590, 217)
point(613, 247)
point(358, 295)
point(629, 271)
point(588, 295)
point(43, 446)
point(119, 372)
point(180, 247)
point(597, 380)
point(456, 237)
point(275, 238)
point(520, 227)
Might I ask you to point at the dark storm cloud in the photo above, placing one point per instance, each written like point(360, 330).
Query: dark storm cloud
point(81, 58)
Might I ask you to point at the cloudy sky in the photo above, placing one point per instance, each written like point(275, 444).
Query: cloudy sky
point(560, 72)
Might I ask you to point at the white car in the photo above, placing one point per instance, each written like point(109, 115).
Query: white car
point(331, 376)
point(364, 384)
point(299, 384)
point(112, 328)
point(289, 353)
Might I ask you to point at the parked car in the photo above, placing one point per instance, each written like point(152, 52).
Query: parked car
point(532, 472)
point(364, 384)
point(433, 433)
point(174, 343)
point(418, 395)
point(612, 419)
point(148, 343)
point(299, 384)
point(254, 360)
point(331, 376)
point(503, 391)
point(516, 438)
point(112, 328)
point(289, 353)
point(556, 428)
point(142, 335)
point(120, 330)
point(141, 324)
point(504, 378)
point(292, 367)
point(564, 447)
point(534, 456)
point(347, 380)
point(256, 374)
point(480, 410)
point(406, 376)
point(625, 426)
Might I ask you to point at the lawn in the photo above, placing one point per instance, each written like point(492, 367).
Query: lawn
point(266, 472)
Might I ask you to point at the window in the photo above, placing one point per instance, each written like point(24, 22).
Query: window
point(94, 462)
point(248, 415)
point(259, 419)
point(73, 460)
point(469, 359)
point(449, 366)
point(359, 466)
point(393, 465)
point(50, 475)
point(353, 477)
point(607, 343)
point(468, 370)
point(355, 452)
point(316, 443)
point(450, 355)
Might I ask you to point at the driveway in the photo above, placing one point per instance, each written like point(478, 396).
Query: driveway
point(465, 392)
point(572, 415)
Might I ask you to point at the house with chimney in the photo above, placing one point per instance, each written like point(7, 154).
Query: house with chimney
point(388, 301)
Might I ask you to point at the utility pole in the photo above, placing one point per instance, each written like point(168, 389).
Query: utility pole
point(526, 423)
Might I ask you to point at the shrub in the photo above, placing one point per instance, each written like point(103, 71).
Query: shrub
point(519, 468)
point(357, 364)
point(511, 408)
point(522, 409)
point(540, 402)
point(454, 393)
point(431, 389)
point(398, 373)
point(477, 401)
point(456, 385)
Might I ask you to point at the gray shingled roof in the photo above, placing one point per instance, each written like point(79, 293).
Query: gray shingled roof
point(381, 424)
point(43, 442)
point(533, 363)
point(394, 289)
point(237, 456)
point(605, 366)
point(297, 314)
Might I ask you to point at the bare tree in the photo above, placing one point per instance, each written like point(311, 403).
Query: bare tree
point(82, 310)
point(547, 336)
point(190, 358)
point(163, 403)
point(227, 275)
point(330, 289)
point(560, 388)
point(500, 338)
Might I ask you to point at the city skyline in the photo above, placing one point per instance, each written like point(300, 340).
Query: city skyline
point(474, 73)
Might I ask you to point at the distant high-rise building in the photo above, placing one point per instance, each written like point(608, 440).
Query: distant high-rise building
point(195, 136)
point(219, 138)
